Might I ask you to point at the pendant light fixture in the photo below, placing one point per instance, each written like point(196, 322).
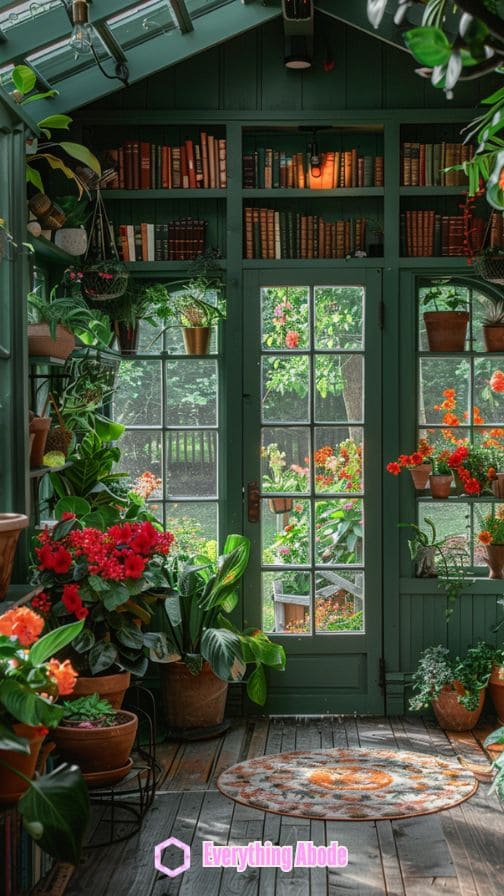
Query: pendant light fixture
point(81, 40)
point(298, 33)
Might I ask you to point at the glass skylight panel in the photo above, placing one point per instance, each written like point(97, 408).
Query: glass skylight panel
point(58, 60)
point(199, 7)
point(19, 13)
point(141, 22)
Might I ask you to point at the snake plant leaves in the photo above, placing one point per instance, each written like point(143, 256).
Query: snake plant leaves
point(55, 811)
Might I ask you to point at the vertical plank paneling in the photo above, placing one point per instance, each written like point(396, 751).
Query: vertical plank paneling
point(240, 72)
point(280, 88)
point(364, 81)
point(197, 82)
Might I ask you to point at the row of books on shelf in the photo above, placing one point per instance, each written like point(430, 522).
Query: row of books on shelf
point(271, 168)
point(282, 234)
point(426, 233)
point(22, 862)
point(149, 166)
point(424, 164)
point(180, 240)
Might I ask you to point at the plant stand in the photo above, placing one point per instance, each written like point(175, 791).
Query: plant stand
point(125, 804)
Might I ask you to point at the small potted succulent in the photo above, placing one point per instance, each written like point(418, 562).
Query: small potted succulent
point(455, 687)
point(97, 738)
point(446, 318)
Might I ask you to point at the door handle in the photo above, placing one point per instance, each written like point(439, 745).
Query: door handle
point(253, 502)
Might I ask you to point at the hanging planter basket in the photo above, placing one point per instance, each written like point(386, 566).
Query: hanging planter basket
point(490, 268)
point(104, 280)
point(104, 276)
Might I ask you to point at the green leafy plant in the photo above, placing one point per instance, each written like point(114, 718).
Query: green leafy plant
point(77, 212)
point(197, 626)
point(136, 303)
point(436, 668)
point(199, 302)
point(278, 478)
point(89, 709)
point(444, 298)
point(21, 83)
point(67, 311)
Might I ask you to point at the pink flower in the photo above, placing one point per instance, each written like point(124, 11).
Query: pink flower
point(292, 339)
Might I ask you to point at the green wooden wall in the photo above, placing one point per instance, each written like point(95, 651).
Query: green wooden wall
point(245, 79)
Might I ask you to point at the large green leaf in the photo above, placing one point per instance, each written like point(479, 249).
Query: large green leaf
point(131, 636)
point(257, 688)
point(26, 706)
point(82, 154)
point(45, 94)
point(429, 46)
point(115, 596)
point(55, 811)
point(11, 741)
point(232, 565)
point(49, 644)
point(222, 649)
point(72, 504)
point(33, 177)
point(102, 656)
point(24, 78)
point(108, 430)
point(84, 642)
point(60, 122)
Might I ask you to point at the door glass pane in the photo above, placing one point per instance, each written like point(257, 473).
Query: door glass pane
point(285, 317)
point(191, 463)
point(315, 379)
point(191, 392)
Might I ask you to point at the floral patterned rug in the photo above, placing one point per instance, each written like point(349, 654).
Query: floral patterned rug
point(348, 784)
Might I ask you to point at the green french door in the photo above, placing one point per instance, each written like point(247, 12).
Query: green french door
point(312, 443)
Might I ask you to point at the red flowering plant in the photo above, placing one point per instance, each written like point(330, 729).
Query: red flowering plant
point(422, 455)
point(104, 578)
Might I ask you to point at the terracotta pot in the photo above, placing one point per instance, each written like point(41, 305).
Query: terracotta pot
point(280, 505)
point(127, 337)
point(196, 340)
point(446, 330)
point(494, 338)
point(41, 344)
point(192, 701)
point(420, 475)
point(498, 486)
point(440, 485)
point(10, 530)
point(97, 749)
point(495, 560)
point(110, 687)
point(39, 428)
point(450, 714)
point(11, 785)
point(496, 690)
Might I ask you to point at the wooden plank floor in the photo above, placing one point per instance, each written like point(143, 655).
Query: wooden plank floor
point(458, 853)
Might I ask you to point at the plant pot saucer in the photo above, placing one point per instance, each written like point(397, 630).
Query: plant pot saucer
point(111, 776)
point(203, 733)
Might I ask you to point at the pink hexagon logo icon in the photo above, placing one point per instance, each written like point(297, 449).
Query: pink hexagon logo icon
point(158, 857)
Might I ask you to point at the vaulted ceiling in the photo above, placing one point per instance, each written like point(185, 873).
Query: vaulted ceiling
point(145, 36)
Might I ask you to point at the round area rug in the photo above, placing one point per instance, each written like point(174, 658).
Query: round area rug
point(348, 785)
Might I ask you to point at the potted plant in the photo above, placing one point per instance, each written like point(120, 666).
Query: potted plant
point(493, 323)
point(446, 318)
point(97, 737)
point(491, 535)
point(278, 479)
point(126, 312)
point(199, 649)
point(72, 237)
point(419, 464)
point(197, 306)
point(103, 577)
point(423, 547)
point(454, 687)
point(11, 525)
point(53, 323)
point(441, 478)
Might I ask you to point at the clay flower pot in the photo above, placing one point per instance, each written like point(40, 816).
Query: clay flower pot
point(420, 475)
point(109, 687)
point(446, 330)
point(494, 338)
point(196, 340)
point(11, 785)
point(440, 485)
point(192, 701)
point(450, 714)
point(10, 530)
point(280, 505)
point(496, 690)
point(495, 560)
point(41, 344)
point(97, 749)
point(39, 429)
point(498, 485)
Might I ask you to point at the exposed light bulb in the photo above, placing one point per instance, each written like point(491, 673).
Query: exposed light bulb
point(81, 39)
point(315, 163)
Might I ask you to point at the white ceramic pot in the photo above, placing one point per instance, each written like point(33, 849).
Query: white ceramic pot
point(72, 240)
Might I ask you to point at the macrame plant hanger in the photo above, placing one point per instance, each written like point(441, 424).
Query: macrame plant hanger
point(106, 276)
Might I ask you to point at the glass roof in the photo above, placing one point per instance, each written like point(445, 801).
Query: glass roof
point(38, 33)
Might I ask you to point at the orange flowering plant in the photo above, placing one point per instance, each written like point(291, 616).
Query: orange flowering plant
point(492, 527)
point(422, 455)
point(31, 680)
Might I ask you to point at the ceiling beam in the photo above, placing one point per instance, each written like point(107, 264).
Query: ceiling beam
point(354, 14)
point(51, 27)
point(107, 38)
point(161, 51)
point(180, 15)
